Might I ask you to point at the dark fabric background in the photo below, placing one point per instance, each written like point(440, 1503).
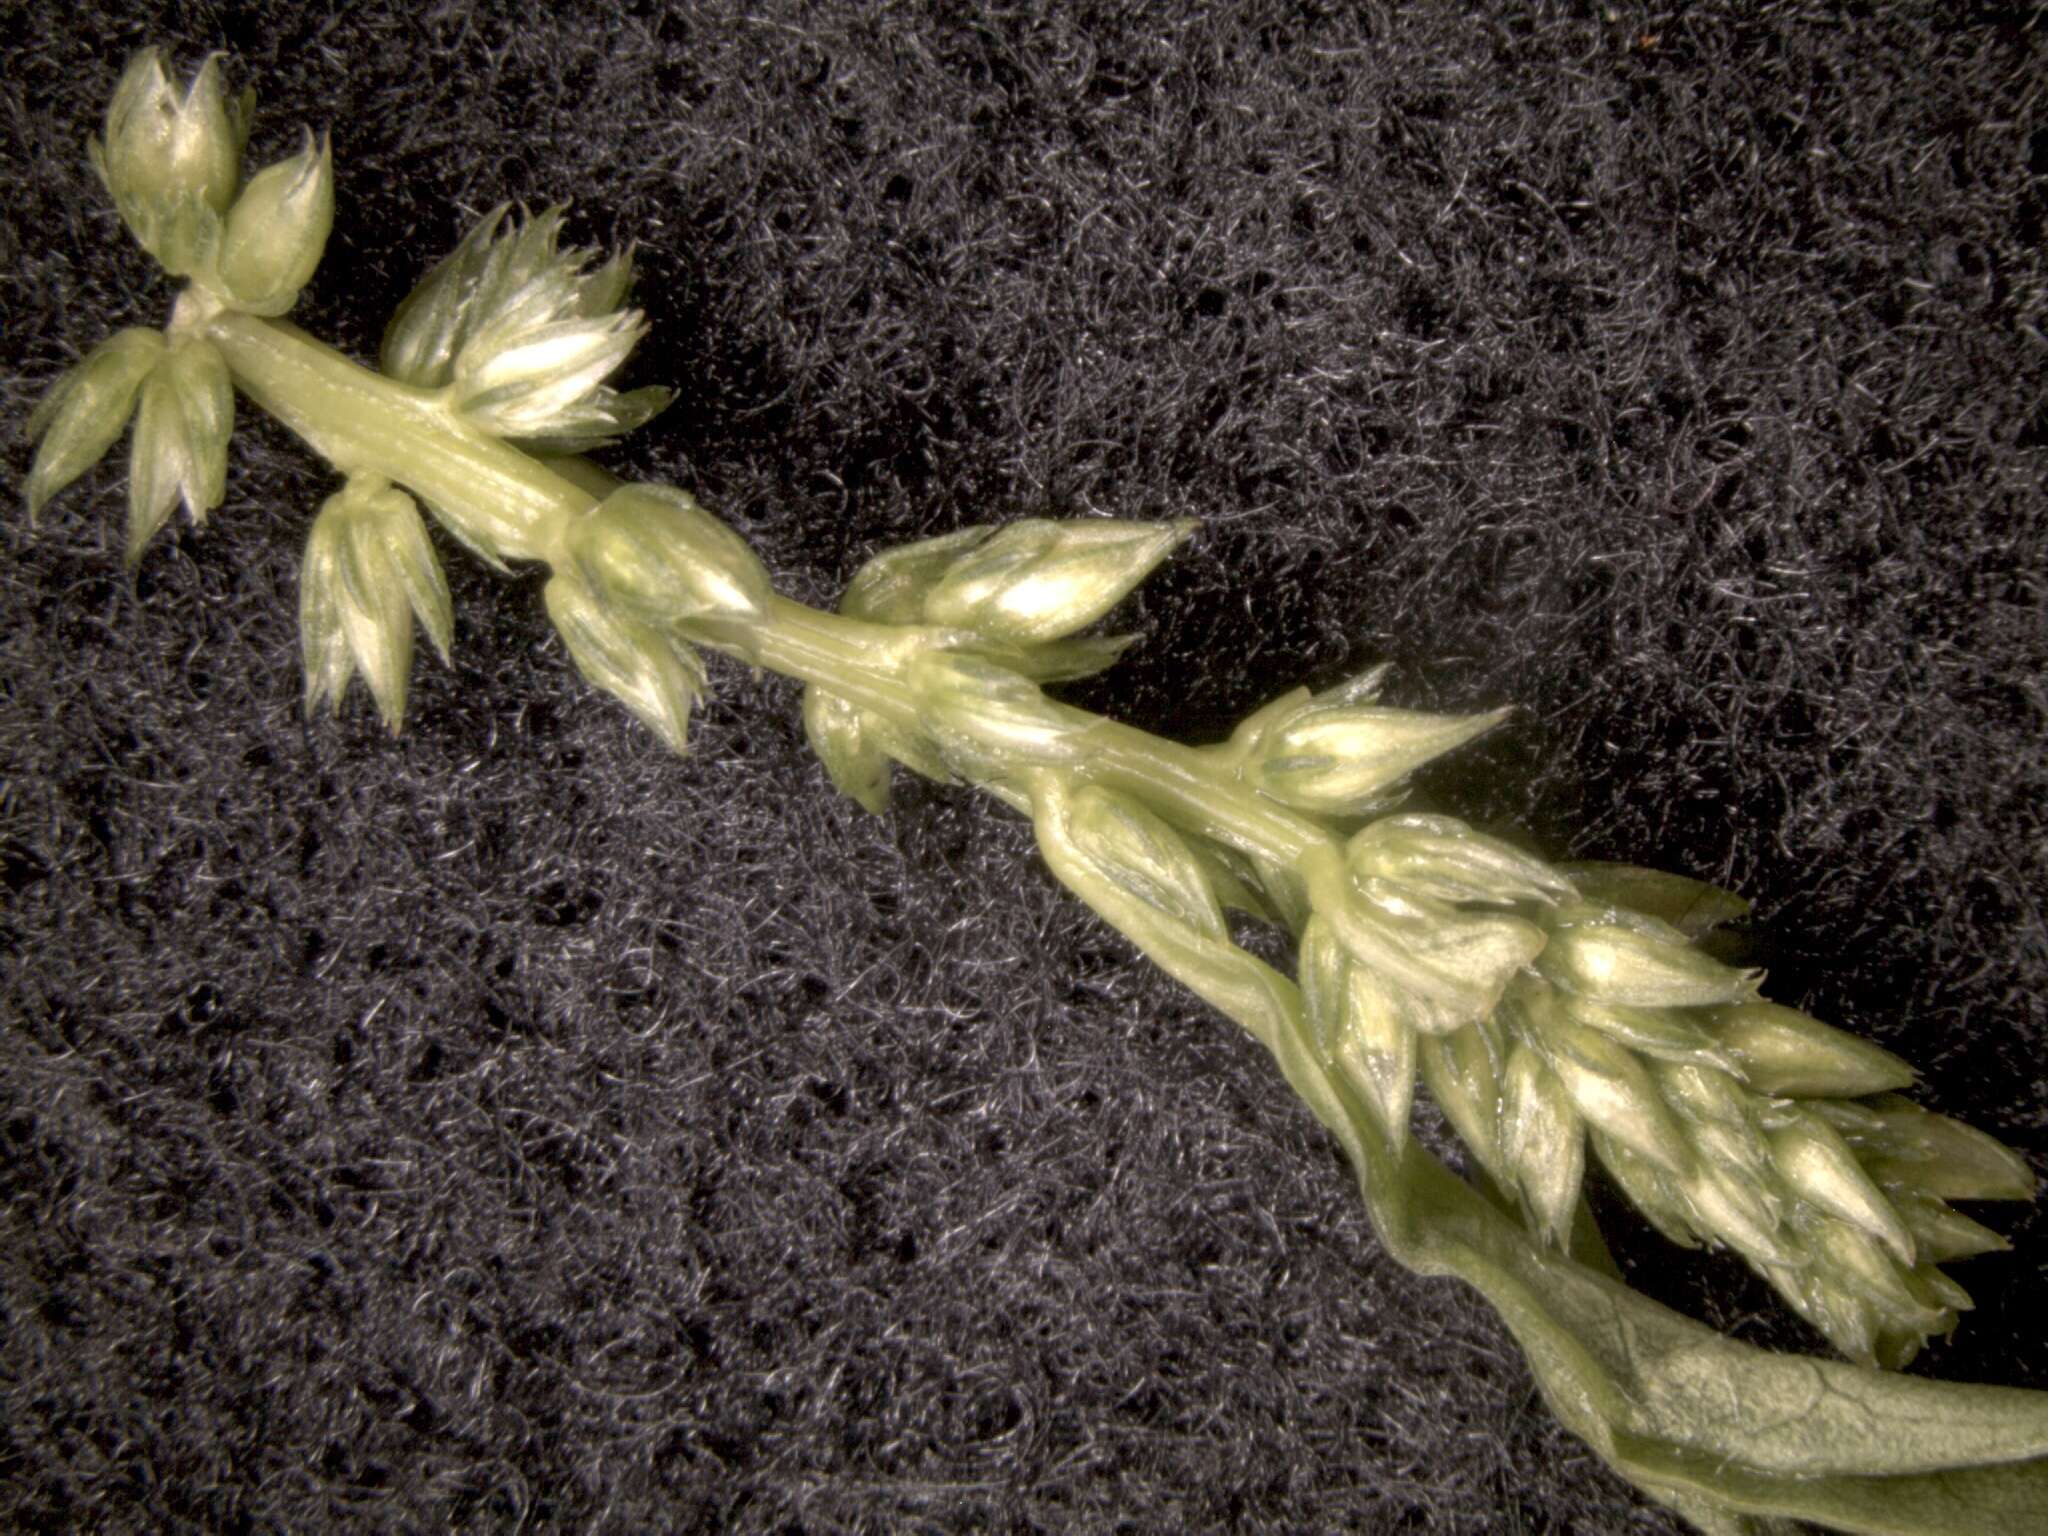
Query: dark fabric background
point(514, 1127)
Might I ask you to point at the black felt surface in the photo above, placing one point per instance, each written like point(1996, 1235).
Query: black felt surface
point(514, 1127)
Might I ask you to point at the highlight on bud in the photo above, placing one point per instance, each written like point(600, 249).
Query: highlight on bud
point(171, 160)
point(369, 572)
point(277, 231)
point(522, 334)
point(180, 449)
point(654, 674)
point(1040, 580)
point(1343, 759)
point(652, 553)
point(1786, 1054)
point(1635, 961)
point(86, 410)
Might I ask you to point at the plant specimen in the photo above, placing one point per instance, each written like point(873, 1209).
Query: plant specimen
point(1557, 1015)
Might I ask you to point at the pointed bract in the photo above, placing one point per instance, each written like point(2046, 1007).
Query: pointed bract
point(854, 761)
point(86, 410)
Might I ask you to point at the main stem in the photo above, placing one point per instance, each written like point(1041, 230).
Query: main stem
point(495, 497)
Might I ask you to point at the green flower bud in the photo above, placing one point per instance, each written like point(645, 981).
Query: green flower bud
point(1737, 1210)
point(1654, 1194)
point(652, 673)
point(277, 230)
point(180, 451)
point(1851, 1259)
point(1341, 759)
point(1665, 1034)
point(1359, 1025)
point(1143, 856)
point(988, 718)
point(1693, 907)
point(1613, 1090)
point(1442, 858)
point(1463, 1073)
point(1785, 1054)
point(1942, 1235)
point(1543, 1140)
point(369, 572)
point(1817, 1165)
point(523, 334)
point(1619, 957)
point(171, 161)
point(87, 409)
point(1448, 966)
point(652, 553)
point(1039, 580)
point(1905, 1146)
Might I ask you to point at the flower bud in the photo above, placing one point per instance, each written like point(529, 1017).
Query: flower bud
point(87, 409)
point(1342, 760)
point(652, 553)
point(1447, 966)
point(1543, 1140)
point(1442, 858)
point(1817, 1164)
point(987, 717)
point(277, 230)
point(1785, 1054)
point(369, 572)
point(1653, 1193)
point(1905, 1146)
point(1463, 1074)
point(523, 334)
point(653, 674)
point(1038, 580)
point(172, 161)
point(1617, 957)
point(1942, 1235)
point(1614, 1091)
point(1359, 1028)
point(1735, 1209)
point(1145, 858)
point(180, 450)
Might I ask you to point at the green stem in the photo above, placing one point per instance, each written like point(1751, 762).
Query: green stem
point(491, 495)
point(497, 498)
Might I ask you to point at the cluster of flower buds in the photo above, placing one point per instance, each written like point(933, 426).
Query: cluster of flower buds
point(1340, 753)
point(369, 573)
point(177, 392)
point(1546, 1017)
point(1003, 605)
point(172, 161)
point(644, 565)
point(522, 334)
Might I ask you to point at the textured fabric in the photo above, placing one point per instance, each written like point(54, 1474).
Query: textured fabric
point(513, 1125)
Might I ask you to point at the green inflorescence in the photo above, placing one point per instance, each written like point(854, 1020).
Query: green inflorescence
point(1557, 1015)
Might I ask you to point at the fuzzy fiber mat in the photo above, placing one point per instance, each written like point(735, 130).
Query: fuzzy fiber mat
point(514, 1127)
